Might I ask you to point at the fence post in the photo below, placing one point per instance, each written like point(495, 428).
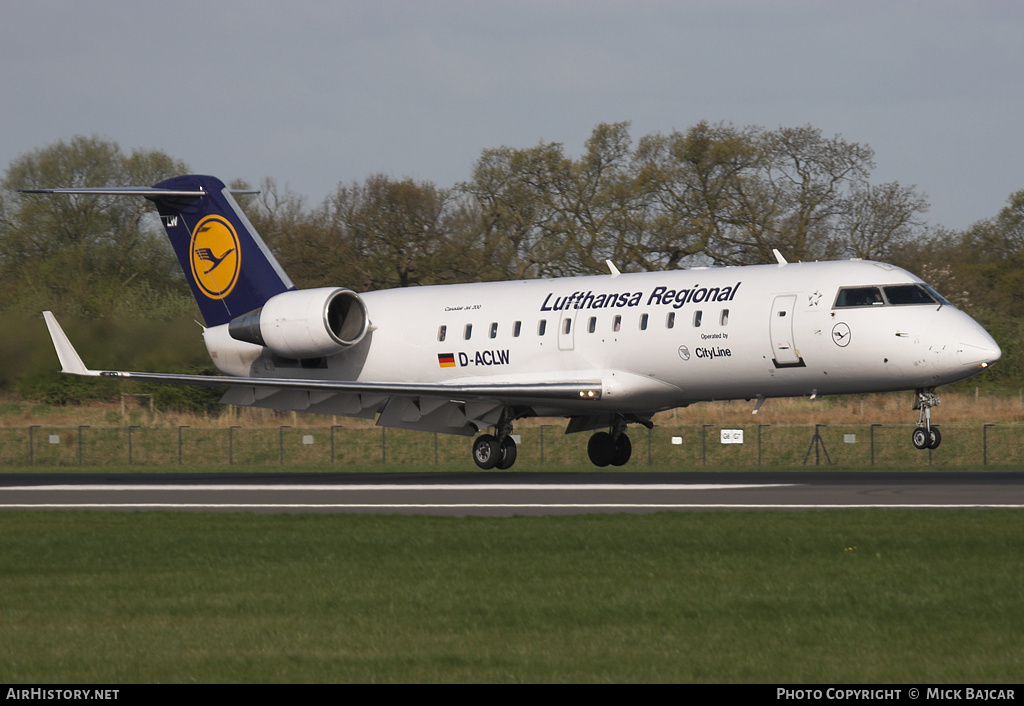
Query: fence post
point(280, 443)
point(180, 427)
point(130, 427)
point(31, 445)
point(231, 444)
point(542, 442)
point(80, 428)
point(333, 427)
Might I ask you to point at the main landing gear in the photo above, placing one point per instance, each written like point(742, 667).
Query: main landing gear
point(489, 452)
point(925, 436)
point(613, 447)
point(606, 448)
point(496, 450)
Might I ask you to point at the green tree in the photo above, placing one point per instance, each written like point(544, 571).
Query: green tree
point(90, 254)
point(702, 187)
point(515, 192)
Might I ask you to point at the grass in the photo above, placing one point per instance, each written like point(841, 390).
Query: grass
point(842, 596)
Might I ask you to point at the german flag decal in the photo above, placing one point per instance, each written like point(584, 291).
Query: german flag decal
point(446, 360)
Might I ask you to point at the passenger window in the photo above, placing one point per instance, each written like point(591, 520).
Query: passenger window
point(670, 320)
point(723, 320)
point(469, 331)
point(517, 327)
point(592, 324)
point(617, 322)
point(494, 330)
point(643, 322)
point(696, 318)
point(442, 332)
point(542, 327)
point(567, 326)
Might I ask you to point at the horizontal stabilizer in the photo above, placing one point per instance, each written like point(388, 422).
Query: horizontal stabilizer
point(117, 191)
point(130, 191)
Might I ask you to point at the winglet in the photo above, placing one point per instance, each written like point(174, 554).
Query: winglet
point(612, 268)
point(70, 361)
point(778, 256)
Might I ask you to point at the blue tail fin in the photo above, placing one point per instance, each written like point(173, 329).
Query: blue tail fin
point(229, 267)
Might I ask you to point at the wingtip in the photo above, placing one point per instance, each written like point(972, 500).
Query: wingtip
point(70, 361)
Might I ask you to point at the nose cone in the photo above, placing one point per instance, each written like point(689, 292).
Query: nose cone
point(977, 349)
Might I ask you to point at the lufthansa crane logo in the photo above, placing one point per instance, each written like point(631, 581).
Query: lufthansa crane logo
point(216, 260)
point(841, 334)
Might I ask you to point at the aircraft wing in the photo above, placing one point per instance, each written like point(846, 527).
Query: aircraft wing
point(455, 408)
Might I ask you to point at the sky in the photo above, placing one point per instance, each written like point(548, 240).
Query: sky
point(314, 94)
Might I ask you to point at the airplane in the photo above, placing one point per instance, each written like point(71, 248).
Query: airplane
point(603, 351)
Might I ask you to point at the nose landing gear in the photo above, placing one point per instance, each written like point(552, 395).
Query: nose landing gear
point(925, 436)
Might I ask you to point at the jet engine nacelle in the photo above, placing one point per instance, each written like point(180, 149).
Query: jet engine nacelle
point(305, 323)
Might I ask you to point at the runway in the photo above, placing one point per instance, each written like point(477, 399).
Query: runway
point(508, 494)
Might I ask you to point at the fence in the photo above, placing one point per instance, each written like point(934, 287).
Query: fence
point(671, 446)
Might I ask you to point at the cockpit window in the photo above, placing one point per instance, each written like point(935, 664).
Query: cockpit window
point(938, 297)
point(859, 296)
point(908, 294)
point(895, 295)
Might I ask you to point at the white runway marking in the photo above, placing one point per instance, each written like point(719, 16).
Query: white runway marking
point(511, 506)
point(397, 486)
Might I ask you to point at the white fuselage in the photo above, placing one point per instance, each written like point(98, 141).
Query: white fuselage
point(655, 340)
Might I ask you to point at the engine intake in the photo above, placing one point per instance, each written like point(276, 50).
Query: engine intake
point(305, 323)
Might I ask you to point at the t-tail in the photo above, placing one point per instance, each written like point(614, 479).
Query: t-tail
point(236, 280)
point(228, 266)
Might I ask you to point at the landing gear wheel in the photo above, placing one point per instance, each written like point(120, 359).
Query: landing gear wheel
point(935, 438)
point(601, 449)
point(921, 438)
point(623, 450)
point(486, 451)
point(508, 454)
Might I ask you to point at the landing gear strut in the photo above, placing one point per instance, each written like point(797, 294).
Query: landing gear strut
point(925, 436)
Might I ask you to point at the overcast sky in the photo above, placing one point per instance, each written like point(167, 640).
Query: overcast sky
point(317, 93)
